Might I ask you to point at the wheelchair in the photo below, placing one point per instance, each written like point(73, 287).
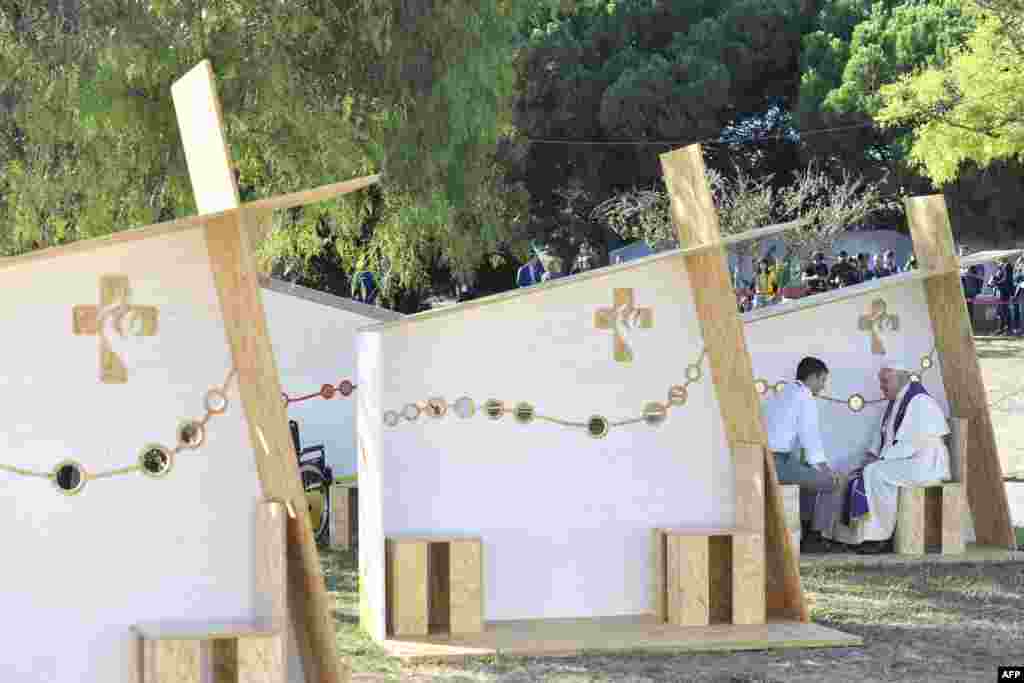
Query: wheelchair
point(316, 482)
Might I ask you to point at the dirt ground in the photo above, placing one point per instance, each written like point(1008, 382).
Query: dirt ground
point(944, 623)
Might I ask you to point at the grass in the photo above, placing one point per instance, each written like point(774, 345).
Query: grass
point(953, 622)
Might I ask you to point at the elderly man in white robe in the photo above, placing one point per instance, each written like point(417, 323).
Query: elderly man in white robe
point(908, 451)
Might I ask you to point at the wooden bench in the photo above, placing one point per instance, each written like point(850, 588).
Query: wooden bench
point(434, 585)
point(791, 511)
point(241, 652)
point(929, 518)
point(344, 531)
point(709, 576)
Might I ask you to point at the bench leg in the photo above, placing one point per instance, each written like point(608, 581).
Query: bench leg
point(910, 522)
point(952, 524)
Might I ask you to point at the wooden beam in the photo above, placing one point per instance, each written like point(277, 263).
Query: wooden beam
point(696, 220)
point(317, 194)
point(245, 324)
point(228, 241)
point(961, 373)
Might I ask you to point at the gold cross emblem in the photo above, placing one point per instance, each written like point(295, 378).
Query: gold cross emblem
point(621, 318)
point(92, 320)
point(878, 321)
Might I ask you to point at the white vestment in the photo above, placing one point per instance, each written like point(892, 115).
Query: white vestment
point(918, 457)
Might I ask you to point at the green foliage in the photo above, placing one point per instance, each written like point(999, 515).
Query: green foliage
point(969, 110)
point(312, 92)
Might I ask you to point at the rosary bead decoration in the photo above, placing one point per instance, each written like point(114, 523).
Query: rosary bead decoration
point(597, 426)
point(327, 391)
point(346, 388)
point(856, 403)
point(69, 477)
point(216, 402)
point(926, 362)
point(437, 408)
point(494, 409)
point(654, 413)
point(191, 434)
point(524, 413)
point(465, 408)
point(156, 461)
point(761, 386)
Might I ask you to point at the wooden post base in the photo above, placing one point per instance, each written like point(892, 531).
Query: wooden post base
point(929, 519)
point(344, 532)
point(434, 585)
point(709, 576)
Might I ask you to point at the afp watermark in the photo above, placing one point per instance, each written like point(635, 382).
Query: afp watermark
point(1011, 673)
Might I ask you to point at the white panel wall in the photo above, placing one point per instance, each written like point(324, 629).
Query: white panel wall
point(78, 572)
point(565, 519)
point(315, 344)
point(832, 334)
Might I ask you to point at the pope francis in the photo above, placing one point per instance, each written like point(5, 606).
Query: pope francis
point(908, 450)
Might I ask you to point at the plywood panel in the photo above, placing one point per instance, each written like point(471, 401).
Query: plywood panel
point(748, 583)
point(659, 598)
point(171, 661)
point(260, 660)
point(961, 374)
point(567, 637)
point(720, 568)
point(466, 586)
point(409, 592)
point(341, 524)
point(910, 522)
point(224, 657)
point(437, 578)
point(952, 512)
point(687, 559)
point(696, 223)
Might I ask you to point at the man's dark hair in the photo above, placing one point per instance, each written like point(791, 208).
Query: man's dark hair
point(809, 367)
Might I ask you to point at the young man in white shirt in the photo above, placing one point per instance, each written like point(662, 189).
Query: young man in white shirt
point(791, 419)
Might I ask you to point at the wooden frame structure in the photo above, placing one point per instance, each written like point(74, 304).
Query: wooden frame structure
point(230, 229)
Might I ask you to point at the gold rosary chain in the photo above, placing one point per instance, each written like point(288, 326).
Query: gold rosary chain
point(86, 476)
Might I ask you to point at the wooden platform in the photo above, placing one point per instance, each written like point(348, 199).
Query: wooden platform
point(975, 554)
point(562, 637)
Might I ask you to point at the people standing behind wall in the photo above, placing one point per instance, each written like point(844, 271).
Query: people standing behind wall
point(972, 283)
point(815, 277)
point(864, 271)
point(1018, 293)
point(843, 273)
point(1003, 283)
point(765, 285)
point(530, 274)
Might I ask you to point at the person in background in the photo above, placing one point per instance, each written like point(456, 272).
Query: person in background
point(843, 273)
point(815, 277)
point(764, 283)
point(1018, 294)
point(1002, 282)
point(784, 278)
point(530, 274)
point(879, 266)
point(972, 284)
point(864, 271)
point(910, 265)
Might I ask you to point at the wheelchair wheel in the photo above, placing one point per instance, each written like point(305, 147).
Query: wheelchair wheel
point(317, 490)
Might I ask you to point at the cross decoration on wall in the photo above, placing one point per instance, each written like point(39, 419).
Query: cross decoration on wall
point(622, 317)
point(114, 308)
point(877, 322)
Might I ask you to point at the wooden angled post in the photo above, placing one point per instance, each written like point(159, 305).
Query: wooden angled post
point(228, 239)
point(961, 373)
point(696, 220)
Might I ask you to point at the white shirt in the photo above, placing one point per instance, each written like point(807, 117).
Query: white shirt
point(792, 417)
point(920, 435)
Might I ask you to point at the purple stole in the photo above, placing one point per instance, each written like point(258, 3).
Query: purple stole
point(855, 502)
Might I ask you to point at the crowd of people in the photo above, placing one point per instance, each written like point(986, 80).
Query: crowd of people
point(1007, 282)
point(771, 279)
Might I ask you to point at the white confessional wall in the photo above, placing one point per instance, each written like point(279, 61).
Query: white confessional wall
point(832, 333)
point(315, 344)
point(565, 518)
point(80, 570)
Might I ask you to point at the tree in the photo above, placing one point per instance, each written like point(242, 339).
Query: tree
point(970, 109)
point(827, 207)
point(312, 92)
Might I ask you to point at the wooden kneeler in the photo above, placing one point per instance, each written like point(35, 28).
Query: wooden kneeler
point(434, 585)
point(241, 653)
point(932, 516)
